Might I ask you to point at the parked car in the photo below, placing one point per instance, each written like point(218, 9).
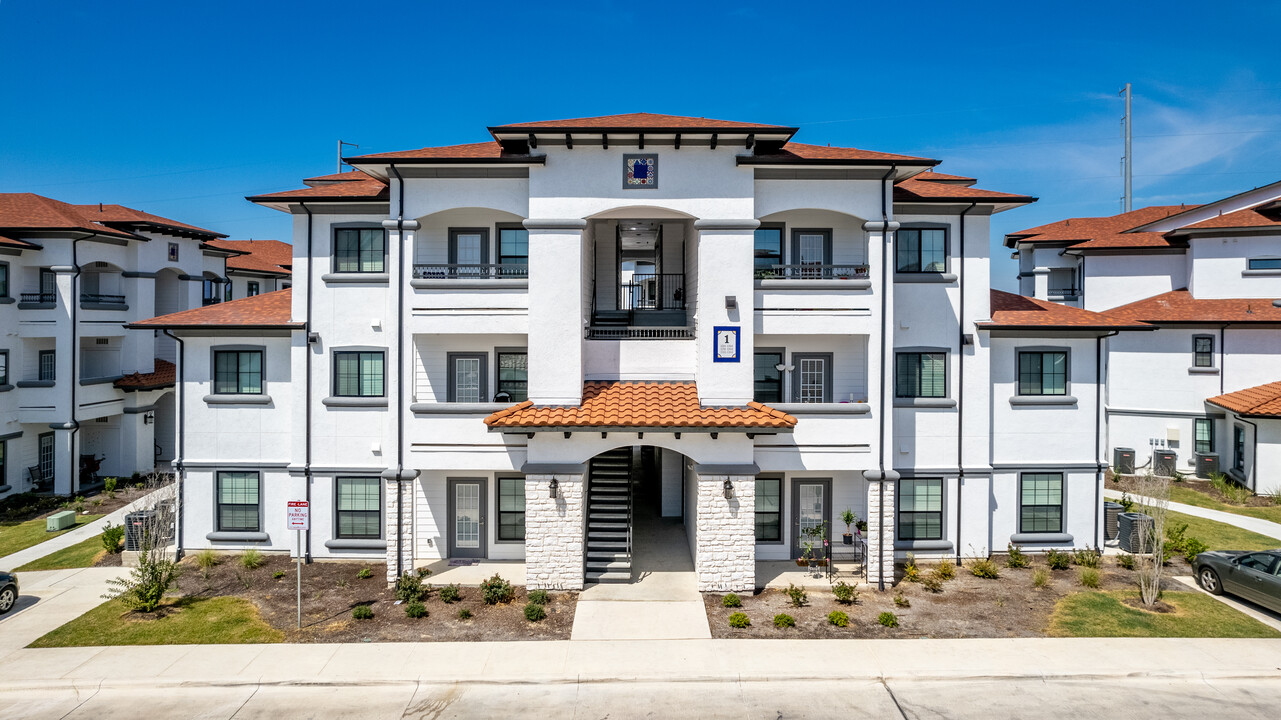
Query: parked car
point(1249, 575)
point(8, 591)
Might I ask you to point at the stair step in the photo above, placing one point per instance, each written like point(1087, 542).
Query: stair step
point(607, 507)
point(604, 546)
point(609, 577)
point(616, 566)
point(609, 526)
point(606, 556)
point(606, 535)
point(607, 516)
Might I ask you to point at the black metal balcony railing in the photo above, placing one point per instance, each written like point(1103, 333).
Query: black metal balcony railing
point(639, 333)
point(1069, 292)
point(205, 302)
point(102, 299)
point(470, 271)
point(38, 297)
point(653, 292)
point(812, 271)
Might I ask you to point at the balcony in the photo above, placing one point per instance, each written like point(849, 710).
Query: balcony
point(470, 271)
point(37, 300)
point(811, 272)
point(100, 301)
point(650, 306)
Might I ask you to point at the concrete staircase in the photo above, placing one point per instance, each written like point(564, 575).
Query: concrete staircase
point(609, 517)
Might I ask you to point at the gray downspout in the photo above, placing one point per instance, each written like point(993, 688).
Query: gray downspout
point(886, 360)
point(1223, 356)
point(182, 444)
point(1254, 454)
point(73, 425)
point(400, 369)
point(306, 468)
point(960, 380)
point(1098, 431)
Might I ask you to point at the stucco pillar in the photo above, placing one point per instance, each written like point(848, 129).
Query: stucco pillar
point(398, 520)
point(726, 252)
point(556, 294)
point(554, 532)
point(137, 440)
point(66, 461)
point(725, 558)
point(880, 527)
point(1041, 283)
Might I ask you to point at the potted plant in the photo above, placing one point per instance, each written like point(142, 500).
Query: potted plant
point(849, 518)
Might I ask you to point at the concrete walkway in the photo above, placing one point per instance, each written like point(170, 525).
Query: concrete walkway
point(1245, 522)
point(66, 540)
point(49, 600)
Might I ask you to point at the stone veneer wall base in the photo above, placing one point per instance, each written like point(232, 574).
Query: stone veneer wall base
point(554, 532)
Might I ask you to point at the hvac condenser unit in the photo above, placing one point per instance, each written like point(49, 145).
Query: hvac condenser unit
point(1111, 513)
point(1123, 461)
point(1207, 464)
point(1128, 531)
point(1164, 462)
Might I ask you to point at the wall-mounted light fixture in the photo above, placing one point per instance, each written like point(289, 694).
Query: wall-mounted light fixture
point(149, 418)
point(967, 339)
point(783, 367)
point(728, 489)
point(731, 302)
point(551, 488)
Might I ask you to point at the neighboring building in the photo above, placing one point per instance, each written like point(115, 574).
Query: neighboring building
point(261, 266)
point(1209, 278)
point(75, 388)
point(512, 349)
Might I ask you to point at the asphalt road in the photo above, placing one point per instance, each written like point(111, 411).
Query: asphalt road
point(1099, 697)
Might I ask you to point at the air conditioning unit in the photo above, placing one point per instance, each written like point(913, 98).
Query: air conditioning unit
point(1128, 531)
point(1111, 511)
point(1123, 461)
point(136, 525)
point(1164, 462)
point(1207, 464)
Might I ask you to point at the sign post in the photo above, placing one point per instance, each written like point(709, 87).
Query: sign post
point(298, 515)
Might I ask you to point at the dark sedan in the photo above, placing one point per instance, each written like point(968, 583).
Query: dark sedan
point(8, 591)
point(1253, 576)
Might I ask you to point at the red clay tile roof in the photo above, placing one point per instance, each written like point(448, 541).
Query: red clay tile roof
point(355, 190)
point(931, 176)
point(162, 376)
point(344, 176)
point(640, 404)
point(1017, 311)
point(266, 256)
point(121, 215)
point(16, 243)
point(1260, 401)
point(471, 151)
point(1246, 217)
point(269, 310)
point(916, 190)
point(28, 211)
point(794, 152)
point(1178, 306)
point(1100, 232)
point(641, 121)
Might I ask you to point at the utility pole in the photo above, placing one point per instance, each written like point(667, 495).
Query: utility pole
point(341, 143)
point(1128, 198)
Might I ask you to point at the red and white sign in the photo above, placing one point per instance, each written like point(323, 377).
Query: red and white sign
point(298, 515)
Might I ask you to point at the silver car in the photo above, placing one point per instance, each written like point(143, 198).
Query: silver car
point(1253, 576)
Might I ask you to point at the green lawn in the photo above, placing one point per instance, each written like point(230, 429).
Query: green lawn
point(220, 620)
point(1102, 614)
point(1188, 496)
point(80, 555)
point(20, 536)
point(1221, 536)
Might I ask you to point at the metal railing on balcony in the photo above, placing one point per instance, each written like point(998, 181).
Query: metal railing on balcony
point(1069, 292)
point(664, 291)
point(812, 271)
point(38, 297)
point(469, 271)
point(638, 333)
point(102, 299)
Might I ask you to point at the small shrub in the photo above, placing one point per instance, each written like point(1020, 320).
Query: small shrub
point(423, 572)
point(415, 609)
point(278, 574)
point(111, 537)
point(783, 620)
point(138, 486)
point(1040, 578)
point(911, 572)
point(946, 571)
point(797, 595)
point(97, 502)
point(365, 573)
point(901, 601)
point(888, 619)
point(1058, 560)
point(538, 597)
point(341, 584)
point(932, 582)
point(534, 612)
point(1193, 547)
point(252, 559)
point(79, 505)
point(985, 568)
point(362, 612)
point(1126, 561)
point(409, 588)
point(206, 559)
point(1178, 476)
point(731, 600)
point(739, 620)
point(1089, 577)
point(109, 484)
point(1016, 558)
point(450, 593)
point(1086, 557)
point(496, 590)
point(845, 593)
point(838, 618)
point(1126, 502)
point(1232, 493)
point(464, 614)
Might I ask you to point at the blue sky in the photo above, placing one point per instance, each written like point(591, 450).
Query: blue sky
point(182, 108)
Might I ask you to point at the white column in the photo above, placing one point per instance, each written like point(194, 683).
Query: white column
point(725, 272)
point(556, 301)
point(1041, 283)
point(725, 559)
point(554, 532)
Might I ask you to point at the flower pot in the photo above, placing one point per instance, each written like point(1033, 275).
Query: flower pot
point(800, 562)
point(848, 539)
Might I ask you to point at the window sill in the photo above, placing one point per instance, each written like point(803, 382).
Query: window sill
point(1027, 400)
point(5, 488)
point(1203, 371)
point(469, 284)
point(1041, 538)
point(7, 300)
point(6, 387)
point(817, 284)
point(103, 306)
point(356, 278)
point(354, 402)
point(935, 545)
point(35, 383)
point(353, 544)
point(847, 408)
point(237, 399)
point(922, 278)
point(37, 306)
point(924, 403)
point(1261, 273)
point(237, 537)
point(457, 408)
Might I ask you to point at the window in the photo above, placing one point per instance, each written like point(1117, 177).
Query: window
point(1261, 562)
point(467, 378)
point(4, 370)
point(769, 510)
point(226, 291)
point(44, 457)
point(511, 508)
point(237, 372)
point(1265, 263)
point(1043, 373)
point(812, 381)
point(921, 250)
point(1041, 503)
point(360, 250)
point(769, 379)
point(811, 250)
point(768, 249)
point(920, 509)
point(1238, 448)
point(920, 375)
point(513, 249)
point(238, 502)
point(4, 280)
point(469, 251)
point(358, 374)
point(211, 293)
point(251, 289)
point(1203, 351)
point(359, 508)
point(48, 365)
point(48, 285)
point(513, 375)
point(1203, 430)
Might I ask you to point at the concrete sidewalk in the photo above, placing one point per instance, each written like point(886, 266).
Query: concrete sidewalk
point(48, 547)
point(49, 600)
point(1245, 522)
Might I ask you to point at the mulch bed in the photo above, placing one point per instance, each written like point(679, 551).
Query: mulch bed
point(1129, 483)
point(331, 590)
point(968, 607)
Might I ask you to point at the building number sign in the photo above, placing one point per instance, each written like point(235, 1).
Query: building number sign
point(727, 344)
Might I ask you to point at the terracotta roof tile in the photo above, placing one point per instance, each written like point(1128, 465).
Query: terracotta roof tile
point(640, 404)
point(16, 243)
point(931, 176)
point(641, 121)
point(29, 211)
point(164, 375)
point(269, 310)
point(1102, 232)
point(268, 256)
point(356, 190)
point(1178, 306)
point(794, 151)
point(119, 214)
point(344, 176)
point(1260, 401)
point(1018, 311)
point(1246, 217)
point(471, 151)
point(915, 189)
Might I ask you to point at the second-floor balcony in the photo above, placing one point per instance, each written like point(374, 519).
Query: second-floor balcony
point(37, 300)
point(812, 271)
point(471, 271)
point(102, 301)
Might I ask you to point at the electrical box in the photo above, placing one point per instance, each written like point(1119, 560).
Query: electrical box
point(60, 521)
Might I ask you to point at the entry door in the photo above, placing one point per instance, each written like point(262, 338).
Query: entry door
point(46, 457)
point(467, 518)
point(811, 507)
point(811, 250)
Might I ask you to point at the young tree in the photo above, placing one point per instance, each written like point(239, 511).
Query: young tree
point(152, 529)
point(1154, 501)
